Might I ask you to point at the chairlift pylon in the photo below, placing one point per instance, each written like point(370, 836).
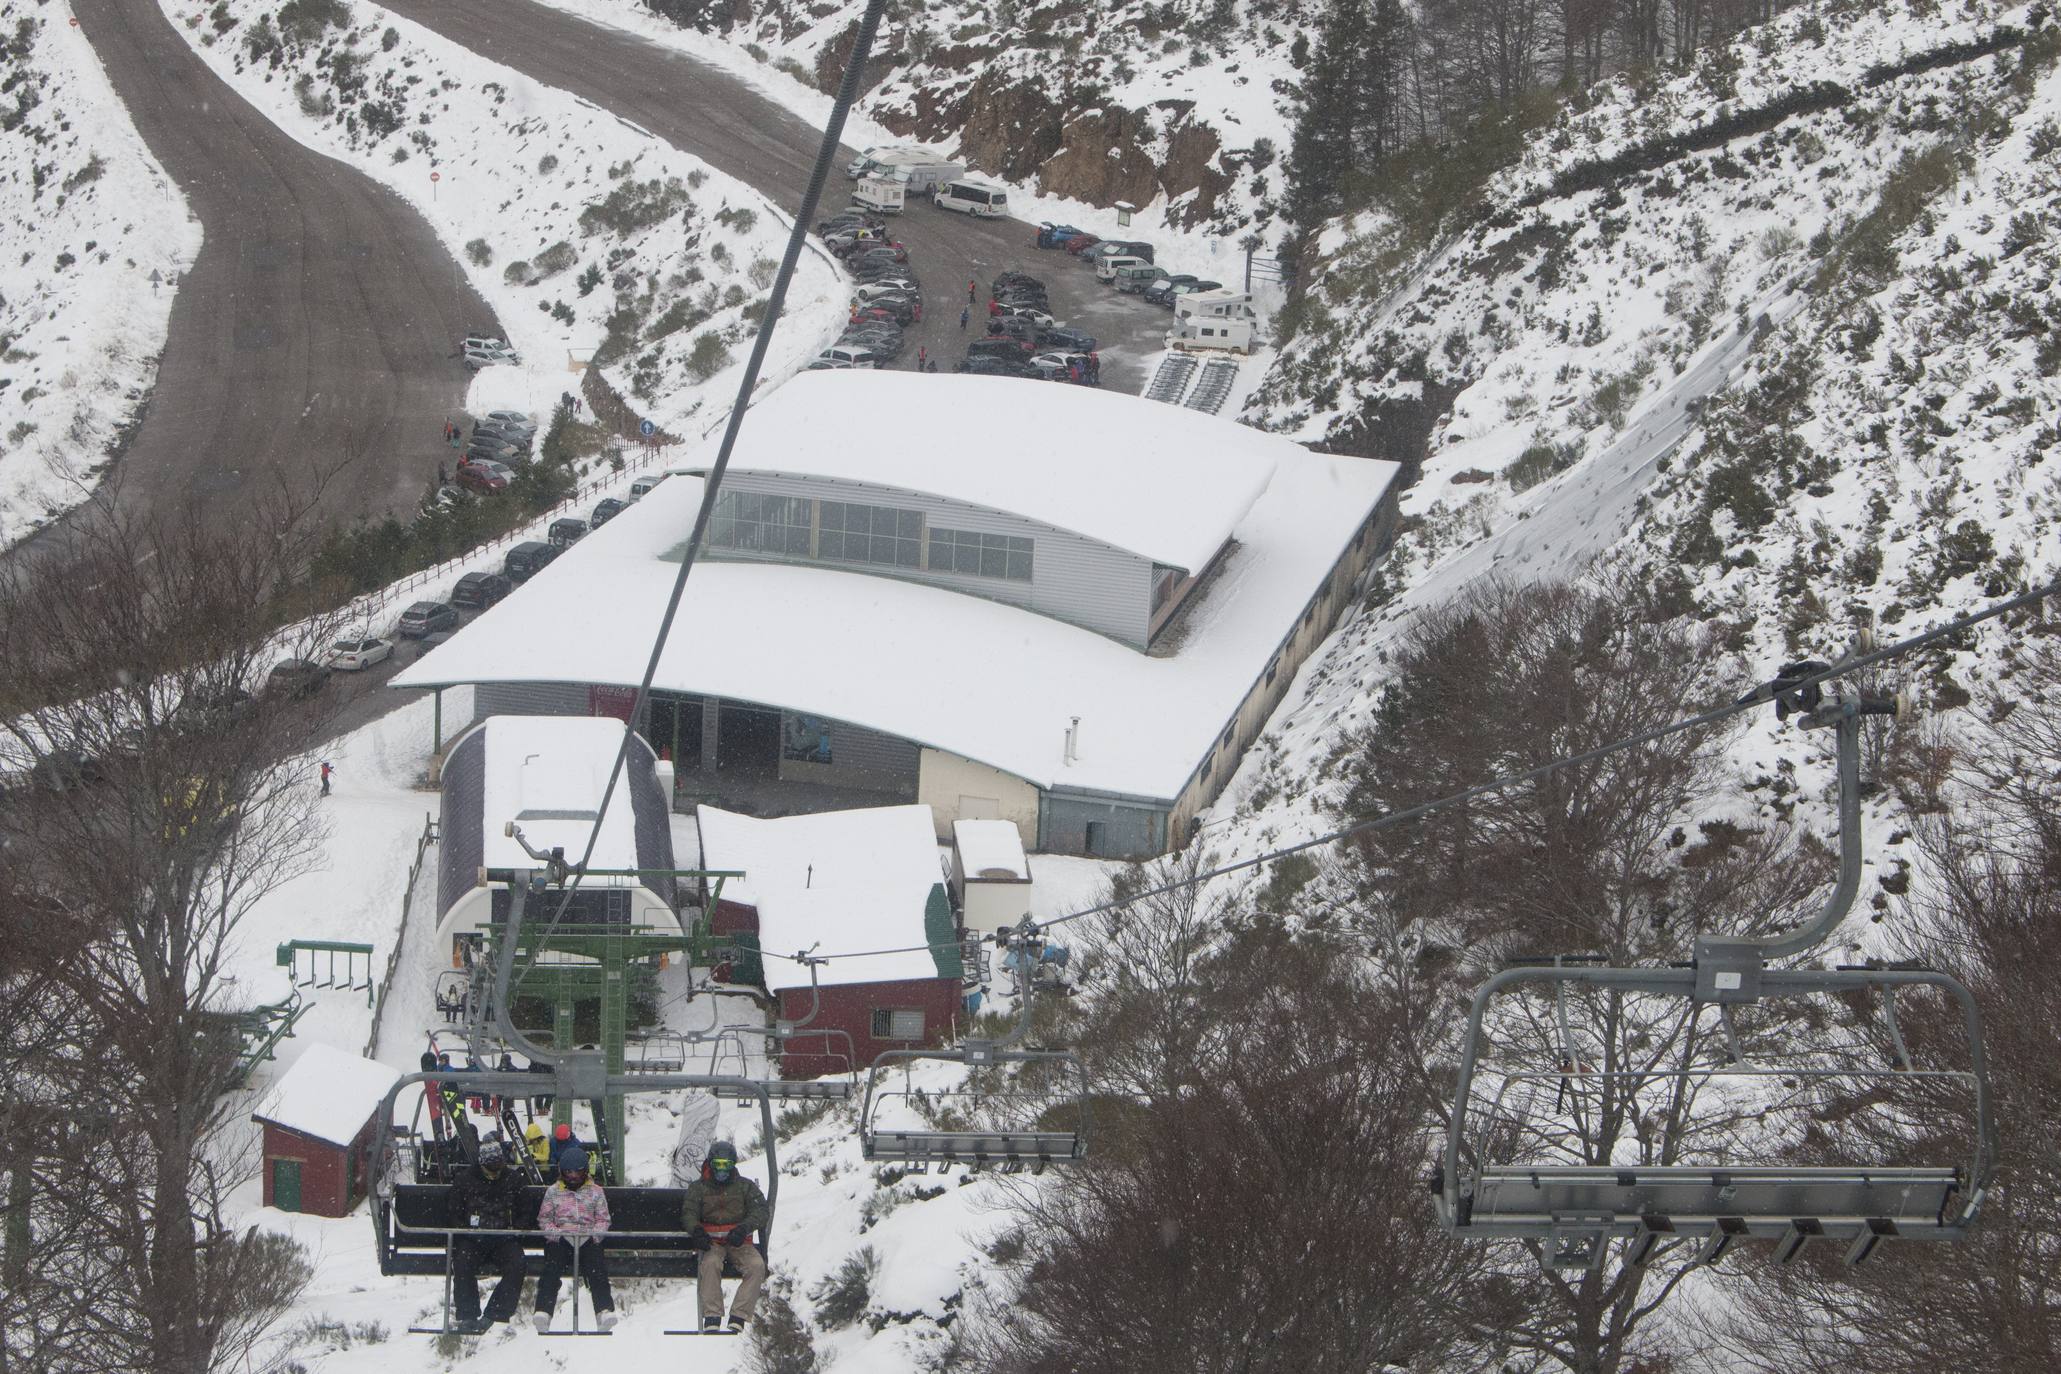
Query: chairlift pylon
point(1035, 1144)
point(1571, 1211)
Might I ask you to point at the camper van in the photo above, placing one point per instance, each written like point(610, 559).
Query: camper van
point(883, 195)
point(1214, 320)
point(919, 172)
point(1133, 279)
point(874, 158)
point(973, 198)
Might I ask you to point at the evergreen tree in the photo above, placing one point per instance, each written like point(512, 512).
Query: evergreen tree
point(1321, 151)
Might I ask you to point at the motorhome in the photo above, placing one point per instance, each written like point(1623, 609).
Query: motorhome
point(1214, 320)
point(880, 194)
point(972, 198)
point(919, 172)
point(872, 158)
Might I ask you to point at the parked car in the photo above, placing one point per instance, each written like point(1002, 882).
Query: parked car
point(489, 342)
point(1109, 248)
point(1014, 327)
point(210, 711)
point(1131, 280)
point(1084, 368)
point(1195, 287)
point(504, 434)
point(1068, 340)
point(644, 486)
point(876, 269)
point(607, 509)
point(896, 309)
point(1008, 279)
point(1015, 350)
point(483, 477)
point(296, 677)
point(883, 341)
point(424, 616)
point(491, 451)
point(354, 653)
point(1053, 235)
point(477, 358)
point(479, 590)
point(567, 531)
point(1080, 243)
point(848, 355)
point(1161, 292)
point(1036, 312)
point(983, 365)
point(527, 559)
point(517, 418)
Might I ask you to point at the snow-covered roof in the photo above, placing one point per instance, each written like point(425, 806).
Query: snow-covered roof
point(327, 1094)
point(1162, 482)
point(546, 774)
point(995, 683)
point(991, 849)
point(839, 880)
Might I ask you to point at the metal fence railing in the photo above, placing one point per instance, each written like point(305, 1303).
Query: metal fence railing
point(393, 960)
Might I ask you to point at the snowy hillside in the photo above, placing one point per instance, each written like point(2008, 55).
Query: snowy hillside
point(89, 216)
point(1179, 108)
point(591, 238)
point(1824, 343)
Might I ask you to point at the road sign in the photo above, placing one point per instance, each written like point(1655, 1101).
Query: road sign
point(646, 428)
point(436, 176)
point(155, 278)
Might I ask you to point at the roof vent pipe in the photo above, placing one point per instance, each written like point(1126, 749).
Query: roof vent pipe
point(1073, 735)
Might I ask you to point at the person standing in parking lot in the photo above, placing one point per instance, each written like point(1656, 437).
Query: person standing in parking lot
point(922, 356)
point(971, 291)
point(964, 316)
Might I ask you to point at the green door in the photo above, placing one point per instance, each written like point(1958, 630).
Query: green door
point(286, 1184)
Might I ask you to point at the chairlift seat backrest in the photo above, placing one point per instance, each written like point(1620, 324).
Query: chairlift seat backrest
point(972, 1147)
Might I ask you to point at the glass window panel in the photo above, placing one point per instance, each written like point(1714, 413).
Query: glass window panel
point(1020, 565)
point(909, 524)
point(993, 562)
point(908, 553)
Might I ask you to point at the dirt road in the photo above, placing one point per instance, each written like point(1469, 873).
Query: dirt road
point(317, 329)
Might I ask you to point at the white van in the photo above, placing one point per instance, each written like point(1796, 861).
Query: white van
point(881, 194)
point(1106, 270)
point(847, 355)
point(973, 198)
point(920, 172)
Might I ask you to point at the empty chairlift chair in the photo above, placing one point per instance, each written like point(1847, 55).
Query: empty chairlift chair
point(1516, 1166)
point(1015, 1126)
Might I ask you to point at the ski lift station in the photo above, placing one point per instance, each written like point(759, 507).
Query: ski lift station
point(840, 880)
point(320, 1127)
point(546, 774)
point(1045, 605)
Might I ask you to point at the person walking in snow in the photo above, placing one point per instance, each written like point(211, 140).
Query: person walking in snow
point(721, 1212)
point(971, 292)
point(574, 1216)
point(922, 356)
point(326, 771)
point(485, 1198)
point(965, 315)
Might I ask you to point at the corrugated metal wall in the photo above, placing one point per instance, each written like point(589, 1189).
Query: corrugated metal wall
point(461, 833)
point(530, 699)
point(1073, 579)
point(1123, 830)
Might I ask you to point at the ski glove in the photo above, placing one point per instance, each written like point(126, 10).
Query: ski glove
point(699, 1239)
point(738, 1237)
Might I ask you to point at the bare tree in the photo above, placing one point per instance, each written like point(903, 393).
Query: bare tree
point(155, 800)
point(1594, 860)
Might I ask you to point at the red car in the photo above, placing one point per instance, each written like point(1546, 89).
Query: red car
point(1080, 243)
point(485, 478)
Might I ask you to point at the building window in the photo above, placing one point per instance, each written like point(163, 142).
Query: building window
point(805, 739)
point(753, 523)
point(897, 1023)
point(1272, 669)
point(980, 555)
point(871, 534)
point(1209, 764)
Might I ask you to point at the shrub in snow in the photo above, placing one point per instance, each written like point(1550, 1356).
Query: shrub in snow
point(841, 1298)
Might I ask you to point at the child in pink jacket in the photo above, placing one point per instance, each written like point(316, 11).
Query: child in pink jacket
point(574, 1215)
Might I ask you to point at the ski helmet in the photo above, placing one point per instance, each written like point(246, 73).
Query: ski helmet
point(722, 1161)
point(561, 1132)
point(574, 1161)
point(491, 1155)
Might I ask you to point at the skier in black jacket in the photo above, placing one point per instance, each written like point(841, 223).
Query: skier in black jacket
point(486, 1197)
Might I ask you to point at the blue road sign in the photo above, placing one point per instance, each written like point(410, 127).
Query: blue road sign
point(647, 429)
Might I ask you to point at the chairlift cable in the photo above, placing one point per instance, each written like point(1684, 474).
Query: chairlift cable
point(797, 238)
point(1759, 696)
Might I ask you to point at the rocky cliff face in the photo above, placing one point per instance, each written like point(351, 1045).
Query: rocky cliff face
point(1179, 106)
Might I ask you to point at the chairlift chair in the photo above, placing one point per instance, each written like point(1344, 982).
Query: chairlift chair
point(1571, 1211)
point(1031, 1143)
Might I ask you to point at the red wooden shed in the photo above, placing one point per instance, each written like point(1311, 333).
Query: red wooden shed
point(321, 1129)
point(843, 881)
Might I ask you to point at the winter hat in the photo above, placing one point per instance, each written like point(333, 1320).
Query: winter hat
point(573, 1162)
point(491, 1155)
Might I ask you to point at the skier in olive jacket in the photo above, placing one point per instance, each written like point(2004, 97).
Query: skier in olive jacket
point(722, 1211)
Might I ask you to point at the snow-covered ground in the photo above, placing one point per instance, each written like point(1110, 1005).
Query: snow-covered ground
point(583, 231)
point(927, 1229)
point(88, 217)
